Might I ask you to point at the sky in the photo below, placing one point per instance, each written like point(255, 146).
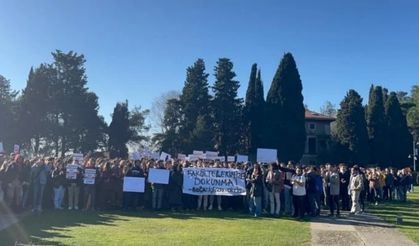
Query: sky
point(138, 50)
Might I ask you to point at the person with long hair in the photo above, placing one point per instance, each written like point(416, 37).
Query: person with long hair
point(256, 191)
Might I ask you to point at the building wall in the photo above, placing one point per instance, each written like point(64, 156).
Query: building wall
point(318, 136)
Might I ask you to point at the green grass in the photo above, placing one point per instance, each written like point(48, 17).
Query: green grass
point(408, 210)
point(152, 228)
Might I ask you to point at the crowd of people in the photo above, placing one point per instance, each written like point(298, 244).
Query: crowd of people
point(274, 189)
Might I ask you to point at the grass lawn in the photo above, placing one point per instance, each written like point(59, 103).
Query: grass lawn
point(408, 210)
point(153, 228)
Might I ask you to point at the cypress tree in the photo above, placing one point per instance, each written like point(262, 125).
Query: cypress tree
point(376, 124)
point(397, 130)
point(119, 131)
point(227, 108)
point(351, 128)
point(285, 112)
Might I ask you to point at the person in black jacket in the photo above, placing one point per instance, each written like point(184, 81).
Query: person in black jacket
point(58, 183)
point(130, 200)
point(344, 176)
point(175, 187)
point(256, 191)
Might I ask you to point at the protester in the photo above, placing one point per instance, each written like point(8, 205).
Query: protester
point(355, 187)
point(58, 181)
point(256, 191)
point(334, 191)
point(39, 174)
point(298, 182)
point(275, 180)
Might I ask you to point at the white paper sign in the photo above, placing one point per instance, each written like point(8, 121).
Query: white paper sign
point(165, 156)
point(158, 176)
point(133, 184)
point(266, 155)
point(198, 152)
point(155, 155)
point(78, 158)
point(1, 148)
point(193, 157)
point(89, 176)
point(231, 158)
point(181, 156)
point(16, 149)
point(71, 171)
point(211, 153)
point(242, 158)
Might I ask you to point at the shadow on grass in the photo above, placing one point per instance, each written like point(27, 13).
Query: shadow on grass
point(41, 229)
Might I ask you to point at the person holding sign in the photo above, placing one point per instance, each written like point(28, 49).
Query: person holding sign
point(74, 180)
point(158, 191)
point(58, 183)
point(39, 174)
point(89, 177)
point(130, 199)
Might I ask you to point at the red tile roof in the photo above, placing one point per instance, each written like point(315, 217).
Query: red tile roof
point(310, 115)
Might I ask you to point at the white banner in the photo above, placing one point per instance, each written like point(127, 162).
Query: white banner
point(133, 184)
point(266, 155)
point(158, 176)
point(214, 181)
point(89, 176)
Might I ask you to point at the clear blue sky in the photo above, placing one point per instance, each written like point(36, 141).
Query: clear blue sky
point(137, 50)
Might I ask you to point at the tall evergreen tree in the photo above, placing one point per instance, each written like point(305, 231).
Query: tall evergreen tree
point(376, 124)
point(351, 128)
point(119, 131)
point(8, 99)
point(397, 130)
point(285, 109)
point(195, 103)
point(254, 112)
point(227, 108)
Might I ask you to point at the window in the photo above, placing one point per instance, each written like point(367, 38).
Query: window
point(312, 146)
point(312, 126)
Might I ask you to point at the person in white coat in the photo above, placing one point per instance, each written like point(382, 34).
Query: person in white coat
point(355, 187)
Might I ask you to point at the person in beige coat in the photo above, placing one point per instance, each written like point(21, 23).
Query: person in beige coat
point(355, 187)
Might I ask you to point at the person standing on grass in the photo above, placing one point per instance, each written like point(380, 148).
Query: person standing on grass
point(212, 197)
point(90, 189)
point(355, 187)
point(58, 182)
point(73, 186)
point(38, 180)
point(256, 191)
point(344, 182)
point(298, 182)
point(175, 187)
point(276, 180)
point(334, 190)
point(158, 191)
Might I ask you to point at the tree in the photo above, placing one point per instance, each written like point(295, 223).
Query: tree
point(195, 103)
point(227, 108)
point(351, 128)
point(254, 112)
point(328, 109)
point(119, 131)
point(8, 99)
point(376, 125)
point(413, 113)
point(158, 108)
point(285, 106)
point(398, 132)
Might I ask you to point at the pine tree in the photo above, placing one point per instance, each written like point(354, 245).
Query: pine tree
point(119, 131)
point(8, 99)
point(227, 108)
point(254, 113)
point(195, 103)
point(351, 128)
point(285, 112)
point(397, 130)
point(376, 124)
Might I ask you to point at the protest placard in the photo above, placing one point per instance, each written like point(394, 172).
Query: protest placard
point(133, 184)
point(214, 181)
point(1, 148)
point(16, 149)
point(197, 152)
point(231, 158)
point(192, 157)
point(242, 158)
point(181, 156)
point(211, 153)
point(155, 156)
point(165, 156)
point(78, 159)
point(89, 176)
point(71, 171)
point(266, 155)
point(158, 176)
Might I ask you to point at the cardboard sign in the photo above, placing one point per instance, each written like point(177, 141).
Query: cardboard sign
point(89, 176)
point(242, 158)
point(16, 149)
point(78, 159)
point(158, 176)
point(133, 184)
point(1, 148)
point(266, 155)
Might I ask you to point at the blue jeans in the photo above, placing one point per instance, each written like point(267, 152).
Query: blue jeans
point(287, 201)
point(38, 195)
point(257, 205)
point(157, 198)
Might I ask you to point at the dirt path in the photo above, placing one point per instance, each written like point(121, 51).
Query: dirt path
point(364, 229)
